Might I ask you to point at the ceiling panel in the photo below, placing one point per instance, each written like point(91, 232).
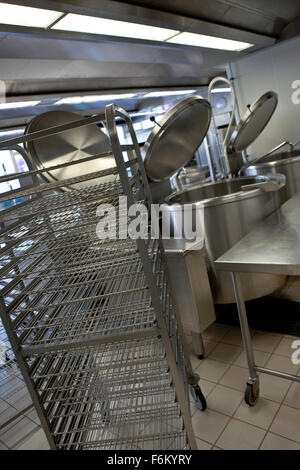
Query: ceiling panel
point(265, 17)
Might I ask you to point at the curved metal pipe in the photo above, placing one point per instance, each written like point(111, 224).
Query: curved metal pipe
point(227, 135)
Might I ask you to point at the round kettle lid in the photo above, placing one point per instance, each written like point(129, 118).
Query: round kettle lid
point(67, 146)
point(175, 139)
point(253, 122)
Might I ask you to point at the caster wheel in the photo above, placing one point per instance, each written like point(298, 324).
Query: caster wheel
point(201, 356)
point(199, 398)
point(251, 397)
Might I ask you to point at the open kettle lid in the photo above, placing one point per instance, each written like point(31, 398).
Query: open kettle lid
point(174, 140)
point(253, 122)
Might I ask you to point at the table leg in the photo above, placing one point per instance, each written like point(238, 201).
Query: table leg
point(252, 389)
point(198, 345)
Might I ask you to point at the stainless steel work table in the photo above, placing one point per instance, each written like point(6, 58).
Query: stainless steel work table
point(271, 247)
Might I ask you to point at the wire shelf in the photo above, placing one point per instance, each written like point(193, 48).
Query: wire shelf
point(99, 397)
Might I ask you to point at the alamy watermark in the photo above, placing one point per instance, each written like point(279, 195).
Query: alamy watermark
point(296, 93)
point(135, 221)
point(296, 354)
point(2, 92)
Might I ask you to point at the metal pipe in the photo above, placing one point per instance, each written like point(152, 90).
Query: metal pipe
point(276, 373)
point(227, 135)
point(246, 337)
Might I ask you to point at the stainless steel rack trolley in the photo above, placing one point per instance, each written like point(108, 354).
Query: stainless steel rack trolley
point(91, 321)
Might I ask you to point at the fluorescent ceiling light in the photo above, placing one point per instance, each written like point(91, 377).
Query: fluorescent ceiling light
point(94, 98)
point(27, 16)
point(95, 25)
point(142, 113)
point(18, 104)
point(11, 133)
point(158, 94)
point(221, 90)
point(200, 40)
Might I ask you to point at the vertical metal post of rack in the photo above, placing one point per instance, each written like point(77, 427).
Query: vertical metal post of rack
point(111, 112)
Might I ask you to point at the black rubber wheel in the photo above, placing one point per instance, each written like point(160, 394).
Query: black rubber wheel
point(201, 356)
point(250, 397)
point(199, 398)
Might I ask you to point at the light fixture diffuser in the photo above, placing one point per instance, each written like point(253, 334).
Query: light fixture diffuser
point(96, 25)
point(94, 98)
point(159, 94)
point(27, 16)
point(18, 104)
point(221, 90)
point(212, 42)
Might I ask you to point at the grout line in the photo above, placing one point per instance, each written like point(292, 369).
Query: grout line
point(237, 389)
point(245, 422)
point(276, 414)
point(17, 415)
point(213, 348)
point(1, 442)
point(254, 349)
point(284, 437)
point(223, 432)
point(231, 417)
point(204, 440)
point(25, 438)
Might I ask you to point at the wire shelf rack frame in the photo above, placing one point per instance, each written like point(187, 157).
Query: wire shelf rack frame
point(71, 302)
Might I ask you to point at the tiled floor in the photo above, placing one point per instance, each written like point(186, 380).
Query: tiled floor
point(19, 424)
point(23, 433)
point(228, 423)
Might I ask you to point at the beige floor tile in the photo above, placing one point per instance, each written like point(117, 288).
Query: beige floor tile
point(225, 353)
point(20, 400)
point(291, 337)
point(14, 434)
point(216, 448)
point(206, 386)
point(260, 357)
point(240, 436)
point(293, 396)
point(274, 442)
point(282, 363)
point(224, 399)
point(211, 370)
point(215, 332)
point(32, 414)
point(287, 423)
point(195, 361)
point(235, 377)
point(233, 336)
point(2, 446)
point(208, 346)
point(7, 412)
point(285, 346)
point(260, 415)
point(265, 342)
point(273, 388)
point(37, 441)
point(202, 445)
point(208, 425)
